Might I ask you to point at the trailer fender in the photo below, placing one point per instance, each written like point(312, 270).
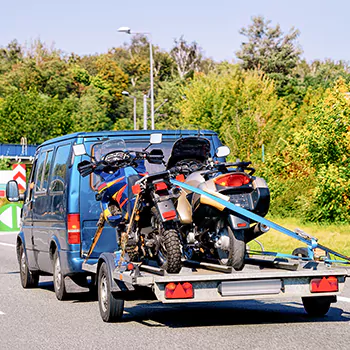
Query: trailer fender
point(116, 285)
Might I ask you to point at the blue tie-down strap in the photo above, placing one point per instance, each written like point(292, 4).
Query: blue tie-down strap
point(309, 241)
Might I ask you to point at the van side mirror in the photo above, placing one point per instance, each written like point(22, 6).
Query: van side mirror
point(79, 150)
point(222, 151)
point(155, 139)
point(12, 191)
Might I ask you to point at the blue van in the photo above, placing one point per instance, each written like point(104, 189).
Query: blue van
point(60, 213)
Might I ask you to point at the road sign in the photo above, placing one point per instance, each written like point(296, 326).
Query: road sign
point(19, 174)
point(10, 217)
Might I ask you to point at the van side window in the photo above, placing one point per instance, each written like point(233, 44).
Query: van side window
point(59, 169)
point(43, 171)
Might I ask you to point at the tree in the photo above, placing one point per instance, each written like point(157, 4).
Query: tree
point(268, 48)
point(241, 106)
point(187, 57)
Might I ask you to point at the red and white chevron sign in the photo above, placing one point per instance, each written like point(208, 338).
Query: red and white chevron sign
point(19, 174)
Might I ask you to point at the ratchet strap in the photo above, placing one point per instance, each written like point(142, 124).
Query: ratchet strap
point(311, 242)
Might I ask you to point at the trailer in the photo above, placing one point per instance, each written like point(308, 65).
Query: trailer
point(313, 277)
point(315, 282)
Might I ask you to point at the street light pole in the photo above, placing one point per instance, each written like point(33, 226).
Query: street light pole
point(127, 30)
point(151, 78)
point(144, 112)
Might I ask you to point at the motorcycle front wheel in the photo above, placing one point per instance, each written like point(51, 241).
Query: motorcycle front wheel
point(236, 254)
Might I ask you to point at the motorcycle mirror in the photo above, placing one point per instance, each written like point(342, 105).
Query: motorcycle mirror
point(156, 156)
point(79, 150)
point(155, 139)
point(222, 151)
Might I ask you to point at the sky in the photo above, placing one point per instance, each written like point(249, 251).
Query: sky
point(88, 27)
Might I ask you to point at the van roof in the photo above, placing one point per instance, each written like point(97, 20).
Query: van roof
point(127, 133)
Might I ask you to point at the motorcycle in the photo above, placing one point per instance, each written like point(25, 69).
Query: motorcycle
point(209, 230)
point(139, 205)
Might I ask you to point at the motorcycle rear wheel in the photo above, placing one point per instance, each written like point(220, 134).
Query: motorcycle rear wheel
point(235, 257)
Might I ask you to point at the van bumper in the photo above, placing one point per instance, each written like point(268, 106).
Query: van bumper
point(71, 262)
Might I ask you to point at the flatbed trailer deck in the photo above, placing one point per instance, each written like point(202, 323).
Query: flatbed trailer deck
point(260, 279)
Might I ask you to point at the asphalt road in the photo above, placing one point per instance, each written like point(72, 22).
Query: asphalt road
point(35, 319)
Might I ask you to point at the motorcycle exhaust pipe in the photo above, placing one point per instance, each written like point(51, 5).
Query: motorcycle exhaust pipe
point(255, 231)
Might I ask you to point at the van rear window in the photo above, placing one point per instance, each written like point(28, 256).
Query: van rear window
point(135, 146)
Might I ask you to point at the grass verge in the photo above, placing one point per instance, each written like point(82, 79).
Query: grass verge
point(334, 236)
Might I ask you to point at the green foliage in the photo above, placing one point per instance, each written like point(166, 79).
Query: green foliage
point(241, 106)
point(299, 111)
point(4, 164)
point(36, 116)
point(268, 48)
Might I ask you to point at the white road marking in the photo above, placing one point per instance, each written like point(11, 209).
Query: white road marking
point(8, 233)
point(2, 313)
point(8, 244)
point(347, 300)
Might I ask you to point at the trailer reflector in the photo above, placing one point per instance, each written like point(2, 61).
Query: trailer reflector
point(324, 284)
point(179, 291)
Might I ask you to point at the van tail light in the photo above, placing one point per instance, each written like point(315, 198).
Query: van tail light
point(232, 180)
point(73, 228)
point(324, 284)
point(179, 291)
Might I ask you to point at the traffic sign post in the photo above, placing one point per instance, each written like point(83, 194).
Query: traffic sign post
point(19, 174)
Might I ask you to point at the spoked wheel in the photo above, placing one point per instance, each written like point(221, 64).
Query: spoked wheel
point(28, 279)
point(169, 254)
point(235, 253)
point(111, 308)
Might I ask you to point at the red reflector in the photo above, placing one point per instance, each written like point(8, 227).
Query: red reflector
point(324, 284)
point(73, 224)
point(232, 180)
point(179, 291)
point(160, 186)
point(169, 215)
point(136, 189)
point(242, 224)
point(130, 266)
point(180, 178)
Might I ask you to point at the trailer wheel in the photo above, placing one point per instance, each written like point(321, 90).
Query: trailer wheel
point(317, 306)
point(169, 254)
point(111, 308)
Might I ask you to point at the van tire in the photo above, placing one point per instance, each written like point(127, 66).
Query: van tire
point(58, 278)
point(28, 279)
point(111, 308)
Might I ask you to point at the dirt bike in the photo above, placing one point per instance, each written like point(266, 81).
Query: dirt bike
point(211, 232)
point(139, 205)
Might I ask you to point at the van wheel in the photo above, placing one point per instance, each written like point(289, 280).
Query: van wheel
point(111, 308)
point(28, 279)
point(58, 278)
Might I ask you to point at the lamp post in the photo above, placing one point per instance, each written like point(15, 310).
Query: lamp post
point(127, 30)
point(125, 93)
